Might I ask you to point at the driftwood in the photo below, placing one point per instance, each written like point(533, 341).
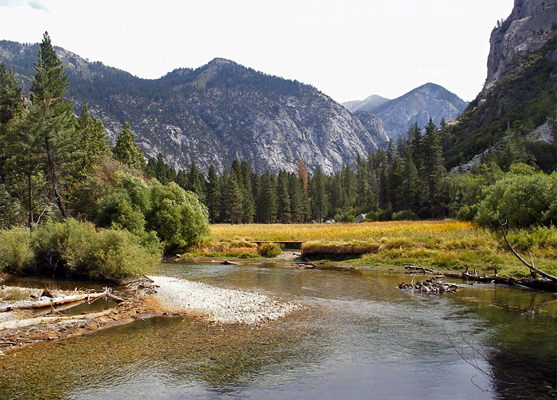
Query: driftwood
point(142, 285)
point(413, 269)
point(430, 286)
point(56, 301)
point(531, 266)
point(532, 283)
point(227, 262)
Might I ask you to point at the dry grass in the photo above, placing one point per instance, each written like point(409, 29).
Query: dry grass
point(443, 245)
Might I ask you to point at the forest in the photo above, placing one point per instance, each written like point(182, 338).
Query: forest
point(72, 205)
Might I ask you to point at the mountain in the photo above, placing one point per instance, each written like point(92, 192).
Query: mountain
point(213, 114)
point(417, 106)
point(519, 96)
point(369, 104)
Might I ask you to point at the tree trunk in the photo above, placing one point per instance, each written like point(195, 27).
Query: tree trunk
point(52, 171)
point(30, 193)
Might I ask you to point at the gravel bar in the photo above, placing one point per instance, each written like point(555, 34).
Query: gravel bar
point(217, 304)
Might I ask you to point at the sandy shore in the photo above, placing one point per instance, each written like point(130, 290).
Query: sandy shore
point(218, 304)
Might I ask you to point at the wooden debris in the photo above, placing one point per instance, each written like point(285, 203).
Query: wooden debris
point(143, 285)
point(425, 271)
point(226, 262)
point(51, 302)
point(430, 286)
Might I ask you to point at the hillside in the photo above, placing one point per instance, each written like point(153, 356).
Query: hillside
point(519, 97)
point(214, 114)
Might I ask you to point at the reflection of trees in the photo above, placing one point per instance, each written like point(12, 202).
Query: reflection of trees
point(522, 345)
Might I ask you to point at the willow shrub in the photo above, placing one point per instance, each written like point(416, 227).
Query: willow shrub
point(15, 249)
point(76, 249)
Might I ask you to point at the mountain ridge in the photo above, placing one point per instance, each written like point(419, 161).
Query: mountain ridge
point(213, 114)
point(417, 106)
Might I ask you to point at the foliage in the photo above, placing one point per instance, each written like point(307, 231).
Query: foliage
point(269, 250)
point(76, 249)
point(523, 200)
point(177, 216)
point(126, 150)
point(15, 249)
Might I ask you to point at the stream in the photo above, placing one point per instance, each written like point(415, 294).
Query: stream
point(357, 337)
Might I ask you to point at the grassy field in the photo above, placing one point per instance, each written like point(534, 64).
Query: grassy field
point(442, 245)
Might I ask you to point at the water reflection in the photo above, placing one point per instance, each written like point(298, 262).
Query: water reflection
point(358, 338)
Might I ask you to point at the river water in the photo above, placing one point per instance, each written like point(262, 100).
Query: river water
point(358, 337)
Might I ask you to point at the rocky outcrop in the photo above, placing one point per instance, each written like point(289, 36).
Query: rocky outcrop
point(529, 27)
point(374, 126)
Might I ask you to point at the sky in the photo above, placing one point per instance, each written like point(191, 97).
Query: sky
point(348, 49)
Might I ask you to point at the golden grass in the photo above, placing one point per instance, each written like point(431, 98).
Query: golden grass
point(443, 245)
point(342, 232)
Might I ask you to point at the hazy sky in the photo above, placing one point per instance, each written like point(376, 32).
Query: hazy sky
point(349, 49)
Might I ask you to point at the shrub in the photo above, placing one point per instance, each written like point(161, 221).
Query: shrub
point(177, 216)
point(269, 250)
point(521, 200)
point(15, 249)
point(405, 215)
point(73, 248)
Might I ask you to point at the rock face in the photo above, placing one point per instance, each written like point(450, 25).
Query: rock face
point(214, 114)
point(520, 87)
point(417, 106)
point(529, 27)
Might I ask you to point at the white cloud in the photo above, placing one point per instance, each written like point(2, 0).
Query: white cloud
point(35, 4)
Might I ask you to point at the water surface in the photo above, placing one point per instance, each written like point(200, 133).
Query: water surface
point(358, 337)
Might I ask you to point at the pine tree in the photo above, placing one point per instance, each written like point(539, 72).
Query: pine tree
point(212, 198)
point(93, 141)
point(126, 149)
point(267, 203)
point(51, 117)
point(283, 199)
point(295, 194)
point(433, 170)
point(318, 196)
point(248, 202)
point(234, 199)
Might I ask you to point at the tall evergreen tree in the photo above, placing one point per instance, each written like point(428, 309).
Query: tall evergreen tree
point(318, 196)
point(212, 198)
point(433, 169)
point(93, 141)
point(51, 116)
point(283, 199)
point(126, 149)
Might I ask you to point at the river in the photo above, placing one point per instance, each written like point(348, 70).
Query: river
point(358, 337)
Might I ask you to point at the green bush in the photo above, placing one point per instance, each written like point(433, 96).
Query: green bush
point(269, 250)
point(405, 215)
point(15, 249)
point(521, 200)
point(76, 249)
point(177, 216)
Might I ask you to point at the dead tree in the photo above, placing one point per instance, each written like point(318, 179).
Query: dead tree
point(522, 260)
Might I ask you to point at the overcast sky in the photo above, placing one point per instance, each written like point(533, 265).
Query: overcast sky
point(348, 49)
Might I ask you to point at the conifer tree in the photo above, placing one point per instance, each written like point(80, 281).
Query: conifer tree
point(248, 202)
point(93, 141)
point(318, 195)
point(283, 199)
point(126, 149)
point(51, 117)
point(432, 165)
point(212, 198)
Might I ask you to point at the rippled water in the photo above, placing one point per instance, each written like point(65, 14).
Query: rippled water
point(359, 337)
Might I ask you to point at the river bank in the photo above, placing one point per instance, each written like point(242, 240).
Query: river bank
point(166, 297)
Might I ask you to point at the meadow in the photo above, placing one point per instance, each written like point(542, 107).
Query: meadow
point(447, 245)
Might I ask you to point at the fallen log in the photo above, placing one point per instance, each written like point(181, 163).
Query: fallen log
point(430, 286)
point(56, 301)
point(532, 283)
